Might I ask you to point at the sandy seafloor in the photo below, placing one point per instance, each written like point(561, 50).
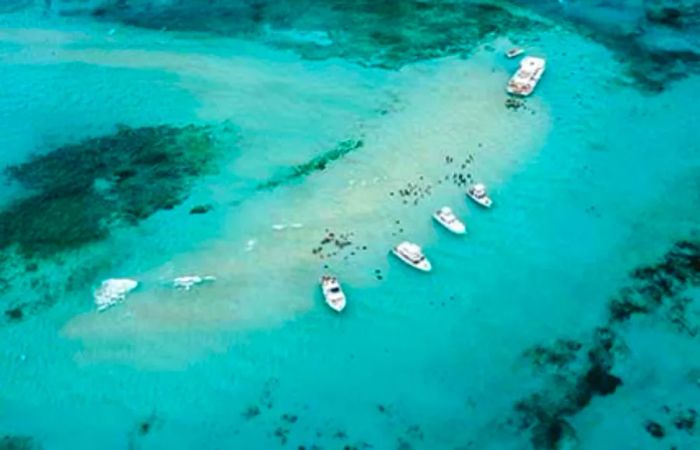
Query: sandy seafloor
point(593, 179)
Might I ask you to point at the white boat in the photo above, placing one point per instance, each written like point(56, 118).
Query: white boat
point(447, 218)
point(412, 255)
point(515, 51)
point(523, 82)
point(478, 193)
point(187, 282)
point(113, 291)
point(333, 293)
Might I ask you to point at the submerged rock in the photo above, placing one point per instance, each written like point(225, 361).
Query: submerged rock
point(655, 429)
point(201, 209)
point(113, 291)
point(14, 314)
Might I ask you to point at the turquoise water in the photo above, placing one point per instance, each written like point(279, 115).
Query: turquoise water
point(592, 179)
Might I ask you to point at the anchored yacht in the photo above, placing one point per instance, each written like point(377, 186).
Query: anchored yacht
point(412, 255)
point(447, 218)
point(333, 293)
point(478, 193)
point(527, 76)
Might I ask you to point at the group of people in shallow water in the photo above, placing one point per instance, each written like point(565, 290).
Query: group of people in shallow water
point(414, 192)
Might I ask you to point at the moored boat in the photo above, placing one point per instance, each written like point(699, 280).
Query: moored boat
point(187, 282)
point(333, 293)
point(113, 291)
point(523, 82)
point(412, 255)
point(477, 192)
point(447, 218)
point(515, 51)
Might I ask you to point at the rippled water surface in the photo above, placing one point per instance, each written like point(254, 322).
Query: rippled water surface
point(266, 144)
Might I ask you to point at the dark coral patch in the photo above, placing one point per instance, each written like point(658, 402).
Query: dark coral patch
point(251, 412)
point(577, 379)
point(14, 314)
point(79, 191)
point(686, 420)
point(600, 381)
point(659, 284)
point(13, 442)
point(581, 375)
point(558, 355)
point(655, 429)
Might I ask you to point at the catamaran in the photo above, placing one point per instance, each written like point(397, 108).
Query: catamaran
point(447, 218)
point(333, 293)
point(527, 76)
point(478, 193)
point(412, 255)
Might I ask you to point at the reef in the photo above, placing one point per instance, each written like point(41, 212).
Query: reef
point(78, 191)
point(576, 378)
point(654, 40)
point(77, 194)
point(579, 371)
point(660, 287)
point(362, 31)
point(319, 163)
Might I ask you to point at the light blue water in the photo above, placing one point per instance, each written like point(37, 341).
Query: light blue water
point(600, 179)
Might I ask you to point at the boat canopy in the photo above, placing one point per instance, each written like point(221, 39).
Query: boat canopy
point(411, 250)
point(532, 63)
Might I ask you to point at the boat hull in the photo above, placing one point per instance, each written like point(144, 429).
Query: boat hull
point(455, 228)
point(338, 306)
point(483, 202)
